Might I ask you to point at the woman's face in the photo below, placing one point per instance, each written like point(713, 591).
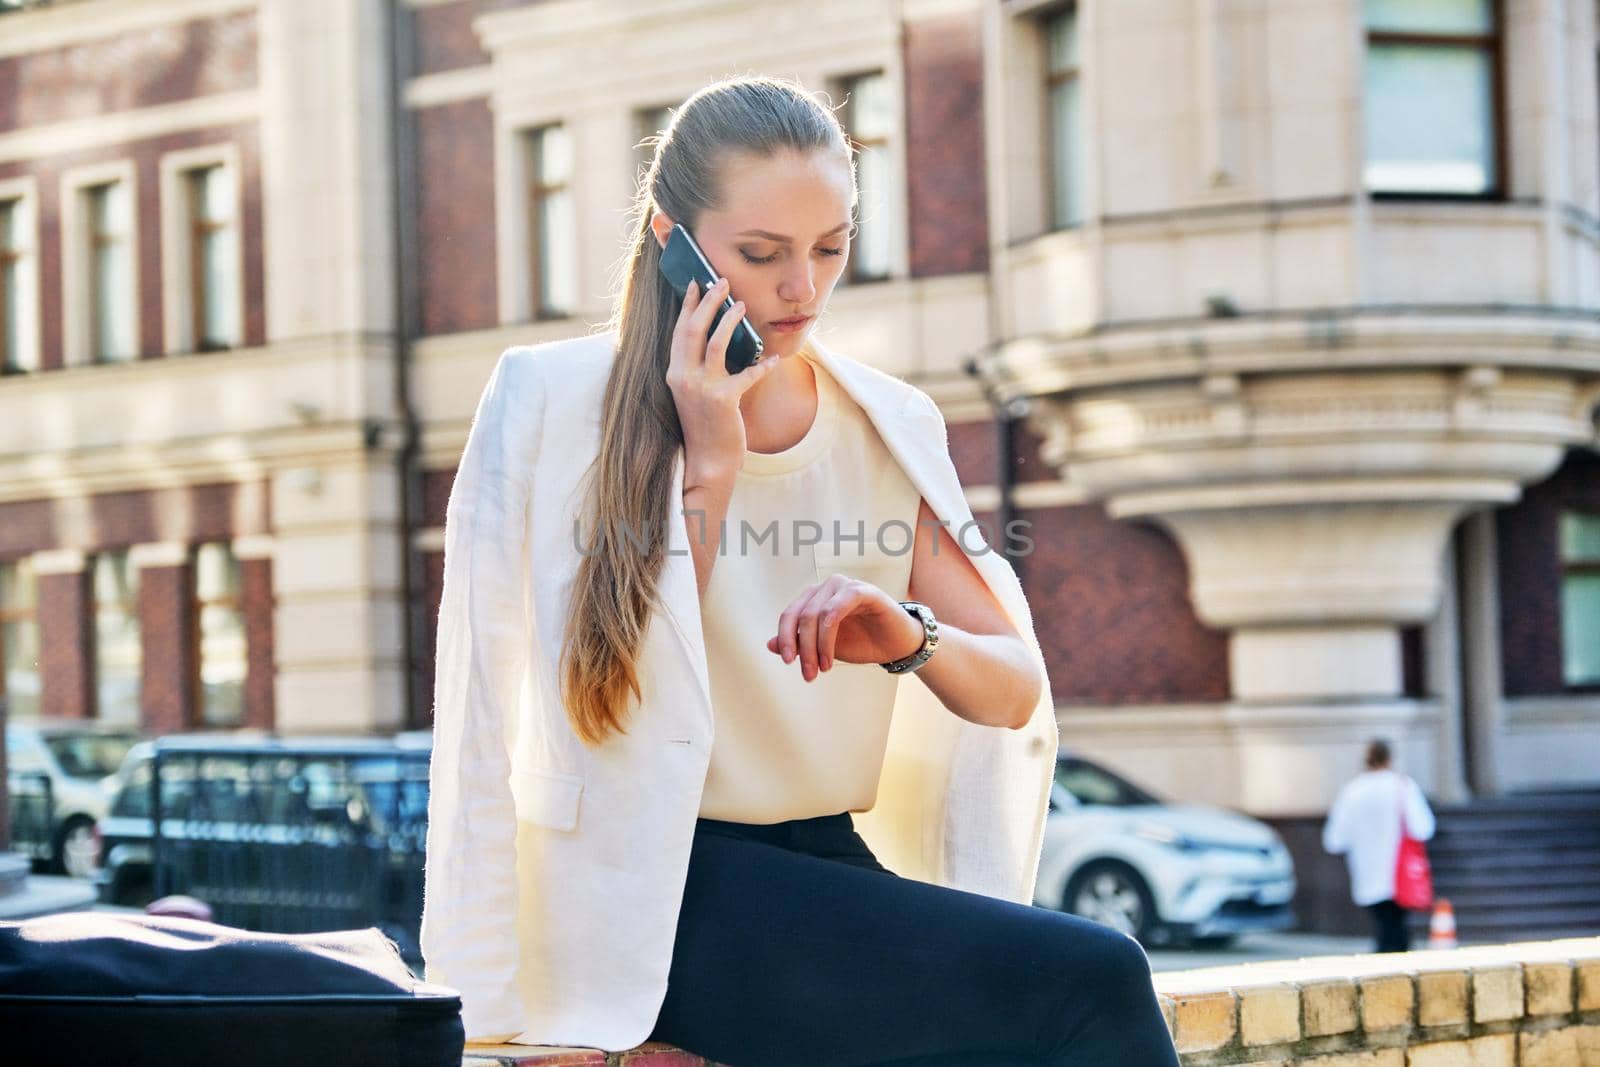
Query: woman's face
point(781, 238)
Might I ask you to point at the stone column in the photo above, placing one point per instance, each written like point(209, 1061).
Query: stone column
point(327, 176)
point(1442, 665)
point(1484, 699)
point(328, 190)
point(339, 612)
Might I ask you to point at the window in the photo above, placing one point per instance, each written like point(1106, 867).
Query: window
point(109, 216)
point(1065, 118)
point(19, 324)
point(647, 123)
point(213, 258)
point(1580, 598)
point(223, 660)
point(869, 120)
point(19, 638)
point(553, 236)
point(118, 651)
point(1433, 97)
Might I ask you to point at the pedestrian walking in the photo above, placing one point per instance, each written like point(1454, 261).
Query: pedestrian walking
point(1364, 825)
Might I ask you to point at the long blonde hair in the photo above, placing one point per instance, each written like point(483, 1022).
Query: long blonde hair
point(630, 481)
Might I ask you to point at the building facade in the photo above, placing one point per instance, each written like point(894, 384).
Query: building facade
point(1278, 323)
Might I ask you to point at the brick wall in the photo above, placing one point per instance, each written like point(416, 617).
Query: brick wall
point(159, 65)
point(456, 283)
point(1111, 607)
point(1530, 574)
point(945, 194)
point(443, 38)
point(256, 604)
point(66, 646)
point(110, 521)
point(167, 625)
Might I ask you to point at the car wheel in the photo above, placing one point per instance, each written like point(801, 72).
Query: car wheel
point(1112, 894)
point(77, 852)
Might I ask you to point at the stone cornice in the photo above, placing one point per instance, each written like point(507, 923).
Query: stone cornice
point(1333, 341)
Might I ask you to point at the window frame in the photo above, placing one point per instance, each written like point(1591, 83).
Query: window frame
point(1494, 44)
point(9, 615)
point(198, 604)
point(645, 126)
point(95, 647)
point(534, 193)
point(1569, 567)
point(77, 311)
point(21, 196)
point(181, 282)
point(846, 86)
point(1043, 19)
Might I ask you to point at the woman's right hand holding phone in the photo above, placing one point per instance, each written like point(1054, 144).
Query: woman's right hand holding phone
point(707, 396)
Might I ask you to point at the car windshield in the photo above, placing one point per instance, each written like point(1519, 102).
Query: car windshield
point(90, 755)
point(1096, 785)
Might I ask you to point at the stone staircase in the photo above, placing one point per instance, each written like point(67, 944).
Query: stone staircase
point(1521, 867)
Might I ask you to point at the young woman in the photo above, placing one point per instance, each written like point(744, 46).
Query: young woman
point(844, 876)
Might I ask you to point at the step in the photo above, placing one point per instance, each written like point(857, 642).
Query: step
point(1532, 879)
point(1538, 858)
point(1473, 896)
point(1585, 919)
point(1548, 833)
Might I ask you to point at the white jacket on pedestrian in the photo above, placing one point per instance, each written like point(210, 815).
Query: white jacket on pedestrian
point(1364, 826)
point(554, 872)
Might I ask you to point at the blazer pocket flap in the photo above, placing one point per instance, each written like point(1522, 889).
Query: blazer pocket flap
point(547, 799)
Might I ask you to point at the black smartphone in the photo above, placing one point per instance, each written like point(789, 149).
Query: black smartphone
point(682, 262)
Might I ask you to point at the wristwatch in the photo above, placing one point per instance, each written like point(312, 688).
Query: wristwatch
point(930, 639)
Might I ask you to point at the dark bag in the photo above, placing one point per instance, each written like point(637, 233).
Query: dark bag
point(97, 987)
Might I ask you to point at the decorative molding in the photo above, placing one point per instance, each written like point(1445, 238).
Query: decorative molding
point(1553, 711)
point(59, 561)
point(254, 546)
point(449, 87)
point(124, 127)
point(159, 554)
point(1056, 494)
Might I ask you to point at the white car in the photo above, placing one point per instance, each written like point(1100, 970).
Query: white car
point(1162, 873)
point(79, 760)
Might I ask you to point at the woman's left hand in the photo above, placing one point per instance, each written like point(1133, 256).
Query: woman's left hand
point(844, 619)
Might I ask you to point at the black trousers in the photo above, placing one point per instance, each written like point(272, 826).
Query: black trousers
point(796, 947)
point(1389, 921)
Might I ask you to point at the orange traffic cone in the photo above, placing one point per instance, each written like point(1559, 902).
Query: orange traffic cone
point(1442, 927)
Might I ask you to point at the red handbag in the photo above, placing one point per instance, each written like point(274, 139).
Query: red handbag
point(1413, 877)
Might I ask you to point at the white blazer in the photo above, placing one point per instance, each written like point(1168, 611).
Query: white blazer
point(554, 872)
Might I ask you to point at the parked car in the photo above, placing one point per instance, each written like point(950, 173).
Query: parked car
point(275, 833)
point(1163, 873)
point(79, 760)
